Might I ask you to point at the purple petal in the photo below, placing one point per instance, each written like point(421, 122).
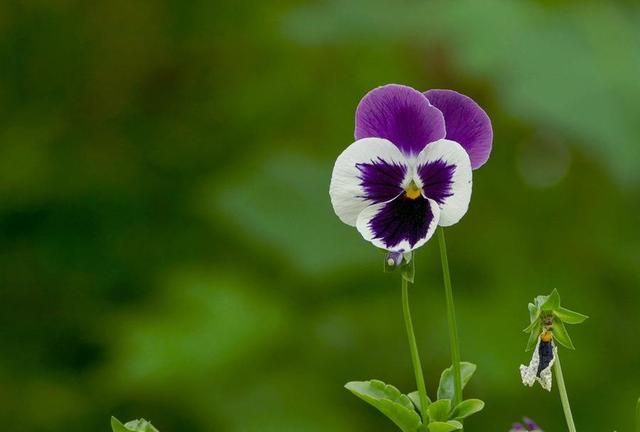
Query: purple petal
point(402, 224)
point(466, 123)
point(437, 180)
point(400, 114)
point(517, 427)
point(531, 425)
point(381, 180)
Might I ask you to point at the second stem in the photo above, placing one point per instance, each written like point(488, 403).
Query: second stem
point(562, 389)
point(415, 356)
point(451, 318)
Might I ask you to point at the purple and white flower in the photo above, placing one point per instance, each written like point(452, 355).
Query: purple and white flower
point(409, 169)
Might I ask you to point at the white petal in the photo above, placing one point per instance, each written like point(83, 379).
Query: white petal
point(529, 373)
point(454, 206)
point(345, 190)
point(364, 227)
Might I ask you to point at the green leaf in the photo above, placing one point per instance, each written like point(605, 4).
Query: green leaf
point(568, 316)
point(141, 425)
point(389, 401)
point(449, 426)
point(439, 410)
point(552, 301)
point(415, 398)
point(467, 408)
point(446, 387)
point(116, 426)
point(561, 335)
point(533, 338)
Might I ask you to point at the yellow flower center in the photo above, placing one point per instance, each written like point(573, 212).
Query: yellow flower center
point(412, 191)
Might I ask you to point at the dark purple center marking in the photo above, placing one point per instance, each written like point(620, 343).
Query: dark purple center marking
point(437, 180)
point(402, 219)
point(381, 180)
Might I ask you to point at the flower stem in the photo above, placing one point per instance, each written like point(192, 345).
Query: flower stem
point(451, 317)
point(415, 356)
point(638, 416)
point(563, 395)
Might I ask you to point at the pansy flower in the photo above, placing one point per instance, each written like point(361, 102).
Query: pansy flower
point(526, 425)
point(409, 169)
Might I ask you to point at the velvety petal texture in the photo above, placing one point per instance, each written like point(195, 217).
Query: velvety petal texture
point(466, 123)
point(400, 225)
point(444, 175)
point(369, 171)
point(400, 114)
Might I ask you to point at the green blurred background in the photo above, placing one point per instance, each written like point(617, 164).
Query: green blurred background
point(167, 245)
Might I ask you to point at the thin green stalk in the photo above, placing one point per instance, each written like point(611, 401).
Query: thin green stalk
point(451, 317)
point(563, 395)
point(415, 356)
point(638, 416)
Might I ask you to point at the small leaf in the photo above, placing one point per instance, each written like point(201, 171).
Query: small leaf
point(533, 339)
point(449, 426)
point(141, 425)
point(467, 408)
point(561, 335)
point(552, 301)
point(439, 410)
point(446, 387)
point(415, 398)
point(116, 426)
point(389, 401)
point(568, 316)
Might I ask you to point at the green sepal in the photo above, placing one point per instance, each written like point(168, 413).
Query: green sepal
point(446, 387)
point(568, 316)
point(561, 335)
point(389, 401)
point(439, 410)
point(448, 426)
point(467, 408)
point(533, 338)
point(408, 271)
point(141, 425)
point(534, 312)
point(415, 398)
point(532, 326)
point(551, 302)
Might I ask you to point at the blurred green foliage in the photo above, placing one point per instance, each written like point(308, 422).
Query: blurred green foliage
point(167, 246)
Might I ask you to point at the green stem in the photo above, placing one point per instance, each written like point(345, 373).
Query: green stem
point(415, 356)
point(638, 416)
point(451, 317)
point(563, 395)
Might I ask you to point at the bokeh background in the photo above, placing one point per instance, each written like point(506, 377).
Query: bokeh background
point(167, 245)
